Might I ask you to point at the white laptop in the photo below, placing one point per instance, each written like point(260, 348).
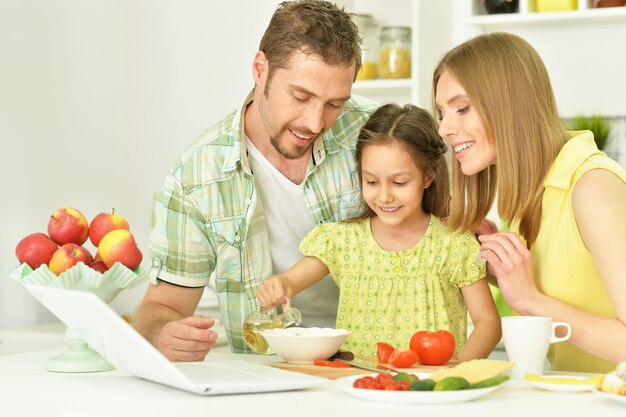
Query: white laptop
point(108, 334)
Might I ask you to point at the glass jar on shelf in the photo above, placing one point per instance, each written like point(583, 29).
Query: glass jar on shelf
point(395, 52)
point(369, 48)
point(501, 6)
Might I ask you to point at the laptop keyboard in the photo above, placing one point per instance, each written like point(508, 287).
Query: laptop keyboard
point(205, 373)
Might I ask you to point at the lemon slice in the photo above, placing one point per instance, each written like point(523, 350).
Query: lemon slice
point(565, 380)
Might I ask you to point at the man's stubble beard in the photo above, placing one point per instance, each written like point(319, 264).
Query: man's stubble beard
point(297, 153)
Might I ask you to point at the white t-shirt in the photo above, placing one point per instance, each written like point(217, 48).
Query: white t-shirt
point(288, 222)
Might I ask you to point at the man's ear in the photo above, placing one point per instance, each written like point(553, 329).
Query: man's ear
point(260, 68)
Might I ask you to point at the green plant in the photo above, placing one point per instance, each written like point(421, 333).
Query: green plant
point(598, 125)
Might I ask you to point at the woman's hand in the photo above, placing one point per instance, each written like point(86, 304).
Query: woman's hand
point(273, 290)
point(510, 262)
point(486, 227)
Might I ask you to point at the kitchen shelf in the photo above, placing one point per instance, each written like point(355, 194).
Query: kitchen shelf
point(378, 84)
point(529, 16)
point(391, 13)
point(606, 14)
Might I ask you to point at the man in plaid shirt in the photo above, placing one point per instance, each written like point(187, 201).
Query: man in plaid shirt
point(239, 199)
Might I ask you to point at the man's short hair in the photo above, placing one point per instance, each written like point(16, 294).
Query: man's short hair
point(312, 27)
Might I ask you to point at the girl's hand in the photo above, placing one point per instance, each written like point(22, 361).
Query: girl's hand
point(510, 262)
point(273, 290)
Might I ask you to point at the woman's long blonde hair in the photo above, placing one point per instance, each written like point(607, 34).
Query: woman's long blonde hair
point(508, 85)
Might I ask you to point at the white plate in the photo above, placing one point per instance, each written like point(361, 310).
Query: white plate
point(562, 387)
point(614, 397)
point(411, 397)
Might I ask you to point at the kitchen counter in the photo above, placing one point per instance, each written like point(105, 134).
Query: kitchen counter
point(50, 336)
point(27, 389)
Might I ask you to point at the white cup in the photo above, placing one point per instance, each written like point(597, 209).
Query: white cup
point(526, 341)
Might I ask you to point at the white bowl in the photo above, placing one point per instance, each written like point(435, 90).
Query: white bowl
point(302, 345)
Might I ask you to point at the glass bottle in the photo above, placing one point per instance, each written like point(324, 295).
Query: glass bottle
point(368, 29)
point(501, 6)
point(263, 319)
point(395, 52)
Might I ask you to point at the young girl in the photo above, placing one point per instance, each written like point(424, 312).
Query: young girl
point(398, 268)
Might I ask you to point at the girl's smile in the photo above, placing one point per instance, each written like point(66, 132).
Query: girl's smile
point(389, 209)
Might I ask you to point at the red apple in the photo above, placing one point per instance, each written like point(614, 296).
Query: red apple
point(35, 249)
point(98, 266)
point(103, 223)
point(119, 246)
point(67, 256)
point(68, 225)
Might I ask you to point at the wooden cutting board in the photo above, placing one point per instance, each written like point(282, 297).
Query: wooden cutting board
point(323, 371)
point(334, 373)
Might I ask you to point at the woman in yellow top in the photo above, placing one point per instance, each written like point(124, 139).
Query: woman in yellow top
point(398, 268)
point(565, 200)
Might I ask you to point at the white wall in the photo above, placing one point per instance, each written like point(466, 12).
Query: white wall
point(97, 99)
point(586, 62)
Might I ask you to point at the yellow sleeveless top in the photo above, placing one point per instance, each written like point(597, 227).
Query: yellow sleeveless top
point(562, 265)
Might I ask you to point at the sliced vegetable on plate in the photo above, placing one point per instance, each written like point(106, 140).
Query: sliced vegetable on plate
point(613, 385)
point(468, 382)
point(564, 383)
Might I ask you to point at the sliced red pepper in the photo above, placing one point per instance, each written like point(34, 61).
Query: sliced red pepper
point(320, 362)
point(338, 364)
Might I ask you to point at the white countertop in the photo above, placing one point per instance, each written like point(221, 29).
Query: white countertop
point(32, 339)
point(27, 389)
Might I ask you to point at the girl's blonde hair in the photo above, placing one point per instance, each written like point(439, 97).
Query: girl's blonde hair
point(509, 87)
point(416, 130)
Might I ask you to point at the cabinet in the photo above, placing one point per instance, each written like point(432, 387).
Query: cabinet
point(430, 37)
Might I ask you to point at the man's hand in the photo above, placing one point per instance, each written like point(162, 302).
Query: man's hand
point(187, 340)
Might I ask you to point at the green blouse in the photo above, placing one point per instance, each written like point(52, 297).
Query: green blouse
point(387, 296)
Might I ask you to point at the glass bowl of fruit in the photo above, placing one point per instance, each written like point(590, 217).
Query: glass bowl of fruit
point(62, 259)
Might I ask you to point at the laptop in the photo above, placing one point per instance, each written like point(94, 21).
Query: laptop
point(108, 334)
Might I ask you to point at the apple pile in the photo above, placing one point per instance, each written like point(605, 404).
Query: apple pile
point(68, 230)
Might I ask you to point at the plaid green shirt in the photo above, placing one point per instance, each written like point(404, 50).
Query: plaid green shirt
point(209, 215)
